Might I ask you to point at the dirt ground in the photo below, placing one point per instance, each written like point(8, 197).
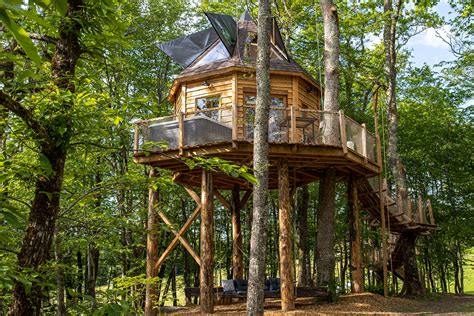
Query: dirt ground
point(360, 304)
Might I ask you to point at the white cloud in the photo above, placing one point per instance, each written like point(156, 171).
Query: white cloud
point(431, 38)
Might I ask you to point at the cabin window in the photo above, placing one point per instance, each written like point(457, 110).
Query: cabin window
point(276, 117)
point(217, 52)
point(207, 103)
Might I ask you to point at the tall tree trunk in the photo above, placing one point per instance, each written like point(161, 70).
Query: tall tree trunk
point(59, 274)
point(325, 258)
point(237, 256)
point(151, 247)
point(92, 268)
point(411, 284)
point(303, 278)
point(395, 162)
point(260, 164)
point(80, 275)
point(37, 241)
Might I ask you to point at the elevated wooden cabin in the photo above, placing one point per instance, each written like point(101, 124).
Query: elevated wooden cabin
point(214, 105)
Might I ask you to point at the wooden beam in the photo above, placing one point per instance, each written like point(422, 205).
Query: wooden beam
point(183, 241)
point(136, 138)
point(181, 132)
point(285, 239)
point(430, 210)
point(152, 235)
point(237, 255)
point(409, 209)
point(175, 241)
point(357, 284)
point(245, 198)
point(364, 142)
point(293, 124)
point(207, 243)
point(421, 217)
point(342, 126)
point(191, 192)
point(222, 199)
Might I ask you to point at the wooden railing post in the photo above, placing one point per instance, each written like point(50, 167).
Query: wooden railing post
point(409, 211)
point(235, 119)
point(364, 142)
point(180, 132)
point(293, 124)
point(430, 211)
point(420, 210)
point(136, 138)
point(342, 126)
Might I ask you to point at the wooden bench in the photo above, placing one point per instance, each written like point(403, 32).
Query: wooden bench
point(190, 292)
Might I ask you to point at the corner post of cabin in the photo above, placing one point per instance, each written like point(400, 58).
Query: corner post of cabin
point(207, 247)
point(136, 138)
point(286, 240)
point(237, 256)
point(342, 127)
point(364, 142)
point(430, 211)
point(357, 284)
point(180, 131)
point(421, 216)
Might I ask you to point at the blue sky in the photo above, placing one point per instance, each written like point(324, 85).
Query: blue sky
point(427, 47)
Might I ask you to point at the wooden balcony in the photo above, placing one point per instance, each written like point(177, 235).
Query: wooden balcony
point(309, 140)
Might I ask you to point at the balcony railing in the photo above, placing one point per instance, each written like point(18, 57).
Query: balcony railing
point(236, 123)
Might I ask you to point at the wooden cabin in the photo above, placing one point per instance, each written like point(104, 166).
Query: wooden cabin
point(214, 105)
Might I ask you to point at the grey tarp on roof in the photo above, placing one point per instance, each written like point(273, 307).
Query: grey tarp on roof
point(186, 49)
point(226, 28)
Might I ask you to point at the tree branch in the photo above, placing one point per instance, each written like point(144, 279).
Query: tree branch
point(25, 114)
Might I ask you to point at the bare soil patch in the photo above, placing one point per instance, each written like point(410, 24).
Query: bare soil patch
point(360, 304)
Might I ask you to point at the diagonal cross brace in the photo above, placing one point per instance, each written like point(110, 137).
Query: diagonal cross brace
point(179, 235)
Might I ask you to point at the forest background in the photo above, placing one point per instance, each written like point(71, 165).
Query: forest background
point(119, 75)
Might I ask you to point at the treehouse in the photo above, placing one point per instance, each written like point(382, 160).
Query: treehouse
point(214, 106)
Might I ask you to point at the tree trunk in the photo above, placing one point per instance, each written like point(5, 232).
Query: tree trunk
point(285, 240)
point(412, 282)
point(37, 241)
point(357, 284)
point(207, 243)
point(237, 256)
point(80, 276)
point(260, 164)
point(92, 268)
point(59, 274)
point(151, 290)
point(304, 278)
point(396, 165)
point(325, 258)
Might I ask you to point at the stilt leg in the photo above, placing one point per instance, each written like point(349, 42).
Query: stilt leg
point(207, 247)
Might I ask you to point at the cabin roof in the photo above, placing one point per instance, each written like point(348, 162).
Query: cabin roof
point(228, 45)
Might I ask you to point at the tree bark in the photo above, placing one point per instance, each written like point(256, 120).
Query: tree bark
point(207, 243)
point(325, 258)
point(151, 290)
point(412, 285)
point(304, 278)
point(59, 274)
point(395, 162)
point(92, 268)
point(258, 237)
point(237, 256)
point(285, 240)
point(53, 146)
point(357, 284)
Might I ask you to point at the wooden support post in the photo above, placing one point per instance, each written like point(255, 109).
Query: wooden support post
point(235, 120)
point(342, 126)
point(180, 132)
point(409, 210)
point(207, 246)
point(237, 255)
point(364, 142)
point(293, 124)
point(430, 210)
point(384, 236)
point(286, 239)
point(421, 217)
point(151, 249)
point(357, 284)
point(136, 138)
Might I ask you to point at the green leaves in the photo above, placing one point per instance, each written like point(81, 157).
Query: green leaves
point(19, 34)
